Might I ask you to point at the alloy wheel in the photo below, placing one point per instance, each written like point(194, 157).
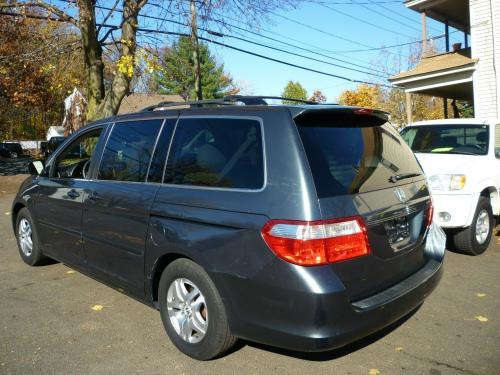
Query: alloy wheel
point(187, 310)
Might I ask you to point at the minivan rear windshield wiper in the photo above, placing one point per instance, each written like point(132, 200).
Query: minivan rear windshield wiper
point(398, 177)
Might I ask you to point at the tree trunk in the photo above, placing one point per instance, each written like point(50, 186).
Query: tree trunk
point(92, 57)
point(120, 86)
point(196, 52)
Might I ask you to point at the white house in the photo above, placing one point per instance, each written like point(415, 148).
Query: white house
point(55, 131)
point(468, 73)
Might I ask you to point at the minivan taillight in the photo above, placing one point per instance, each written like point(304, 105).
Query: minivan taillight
point(311, 243)
point(429, 213)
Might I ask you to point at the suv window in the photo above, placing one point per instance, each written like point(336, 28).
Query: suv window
point(74, 161)
point(447, 139)
point(217, 152)
point(349, 160)
point(128, 151)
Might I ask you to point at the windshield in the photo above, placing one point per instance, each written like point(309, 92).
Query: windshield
point(447, 139)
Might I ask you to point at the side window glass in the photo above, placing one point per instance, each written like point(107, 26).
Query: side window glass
point(74, 161)
point(128, 151)
point(497, 141)
point(216, 152)
point(160, 154)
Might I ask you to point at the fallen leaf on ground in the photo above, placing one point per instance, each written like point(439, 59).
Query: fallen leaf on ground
point(70, 272)
point(97, 307)
point(481, 318)
point(374, 371)
point(480, 295)
point(399, 349)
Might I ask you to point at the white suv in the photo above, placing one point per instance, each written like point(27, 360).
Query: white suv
point(461, 158)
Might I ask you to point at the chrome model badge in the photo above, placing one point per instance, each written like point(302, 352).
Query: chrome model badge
point(400, 194)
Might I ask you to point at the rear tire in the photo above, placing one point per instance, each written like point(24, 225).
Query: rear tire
point(192, 311)
point(474, 240)
point(27, 239)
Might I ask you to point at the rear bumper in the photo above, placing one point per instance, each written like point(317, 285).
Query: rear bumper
point(322, 318)
point(460, 207)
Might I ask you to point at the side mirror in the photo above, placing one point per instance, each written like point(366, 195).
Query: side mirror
point(36, 167)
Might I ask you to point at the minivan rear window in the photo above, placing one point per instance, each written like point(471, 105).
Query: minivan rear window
point(349, 160)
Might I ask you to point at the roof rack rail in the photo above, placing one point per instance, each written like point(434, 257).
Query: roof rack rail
point(256, 100)
point(228, 100)
point(191, 104)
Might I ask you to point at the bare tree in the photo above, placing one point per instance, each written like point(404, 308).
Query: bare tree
point(102, 102)
point(102, 42)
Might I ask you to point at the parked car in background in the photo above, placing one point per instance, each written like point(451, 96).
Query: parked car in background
point(51, 145)
point(461, 158)
point(299, 226)
point(11, 150)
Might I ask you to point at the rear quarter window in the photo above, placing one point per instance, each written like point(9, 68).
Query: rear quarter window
point(349, 160)
point(216, 152)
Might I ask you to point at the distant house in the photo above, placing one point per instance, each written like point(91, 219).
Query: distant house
point(471, 73)
point(55, 131)
point(137, 101)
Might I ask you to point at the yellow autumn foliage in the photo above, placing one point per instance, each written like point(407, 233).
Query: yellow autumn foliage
point(125, 65)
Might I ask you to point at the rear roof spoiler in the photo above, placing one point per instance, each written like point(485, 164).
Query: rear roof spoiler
point(349, 116)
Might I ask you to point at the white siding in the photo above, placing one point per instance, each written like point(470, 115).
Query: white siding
point(485, 42)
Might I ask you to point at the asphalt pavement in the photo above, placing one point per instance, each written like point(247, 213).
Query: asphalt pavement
point(54, 320)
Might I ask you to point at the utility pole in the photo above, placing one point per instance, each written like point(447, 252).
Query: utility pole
point(196, 51)
point(424, 34)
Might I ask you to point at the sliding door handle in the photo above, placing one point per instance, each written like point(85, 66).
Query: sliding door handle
point(73, 194)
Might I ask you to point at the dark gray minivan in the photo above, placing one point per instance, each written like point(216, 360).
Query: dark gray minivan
point(299, 226)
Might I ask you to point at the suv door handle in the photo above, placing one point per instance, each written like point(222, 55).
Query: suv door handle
point(93, 196)
point(73, 194)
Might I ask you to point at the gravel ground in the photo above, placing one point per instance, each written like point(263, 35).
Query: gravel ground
point(48, 326)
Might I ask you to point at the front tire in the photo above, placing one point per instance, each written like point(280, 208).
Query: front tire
point(192, 311)
point(475, 239)
point(27, 239)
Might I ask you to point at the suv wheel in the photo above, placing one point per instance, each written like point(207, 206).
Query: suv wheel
point(27, 239)
point(192, 311)
point(475, 239)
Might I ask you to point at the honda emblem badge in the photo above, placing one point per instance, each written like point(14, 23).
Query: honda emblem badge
point(400, 194)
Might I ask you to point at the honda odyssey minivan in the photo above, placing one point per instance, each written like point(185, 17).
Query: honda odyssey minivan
point(299, 226)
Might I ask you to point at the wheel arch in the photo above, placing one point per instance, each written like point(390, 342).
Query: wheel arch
point(161, 263)
point(15, 211)
point(492, 194)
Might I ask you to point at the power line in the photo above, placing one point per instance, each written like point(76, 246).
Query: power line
point(211, 32)
point(254, 54)
point(286, 37)
point(296, 54)
point(394, 45)
point(363, 21)
point(352, 80)
point(328, 33)
point(388, 17)
point(309, 50)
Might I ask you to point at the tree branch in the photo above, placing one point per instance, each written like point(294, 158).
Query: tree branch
point(113, 8)
point(63, 16)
